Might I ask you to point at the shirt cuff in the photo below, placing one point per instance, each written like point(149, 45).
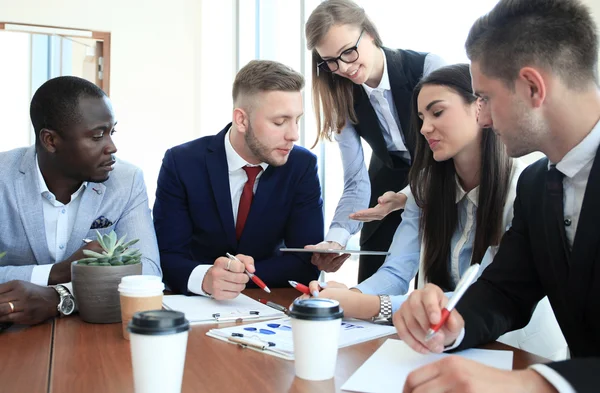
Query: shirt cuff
point(555, 379)
point(459, 339)
point(40, 274)
point(339, 235)
point(196, 279)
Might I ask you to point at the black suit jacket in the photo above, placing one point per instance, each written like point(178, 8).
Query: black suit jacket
point(193, 214)
point(532, 262)
point(388, 171)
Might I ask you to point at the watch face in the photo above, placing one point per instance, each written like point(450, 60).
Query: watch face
point(67, 305)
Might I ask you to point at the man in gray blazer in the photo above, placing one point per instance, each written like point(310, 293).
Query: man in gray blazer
point(57, 193)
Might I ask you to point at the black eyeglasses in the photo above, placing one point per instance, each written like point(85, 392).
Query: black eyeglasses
point(348, 56)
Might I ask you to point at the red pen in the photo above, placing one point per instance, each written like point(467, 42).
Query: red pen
point(254, 278)
point(465, 282)
point(301, 287)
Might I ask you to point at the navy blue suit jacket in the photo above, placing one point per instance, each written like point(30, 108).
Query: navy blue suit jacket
point(193, 215)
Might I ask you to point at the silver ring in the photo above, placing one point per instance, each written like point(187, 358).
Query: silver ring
point(228, 263)
point(12, 307)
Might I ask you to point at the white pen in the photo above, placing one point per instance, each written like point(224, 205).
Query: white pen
point(465, 282)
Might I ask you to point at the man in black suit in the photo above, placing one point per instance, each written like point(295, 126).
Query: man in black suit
point(534, 65)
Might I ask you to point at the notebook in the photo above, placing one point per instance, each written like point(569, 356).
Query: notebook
point(200, 309)
point(274, 337)
point(395, 358)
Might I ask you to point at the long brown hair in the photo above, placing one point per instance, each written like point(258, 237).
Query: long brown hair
point(433, 185)
point(332, 95)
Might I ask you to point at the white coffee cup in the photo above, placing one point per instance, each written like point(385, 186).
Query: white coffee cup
point(158, 341)
point(139, 293)
point(316, 325)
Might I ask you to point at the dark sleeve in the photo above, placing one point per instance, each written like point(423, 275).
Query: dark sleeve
point(504, 297)
point(304, 226)
point(173, 227)
point(581, 373)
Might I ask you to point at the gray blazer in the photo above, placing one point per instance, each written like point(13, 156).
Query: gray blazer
point(122, 200)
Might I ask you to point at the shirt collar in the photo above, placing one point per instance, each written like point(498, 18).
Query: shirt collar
point(234, 160)
point(580, 155)
point(43, 187)
point(472, 195)
point(384, 84)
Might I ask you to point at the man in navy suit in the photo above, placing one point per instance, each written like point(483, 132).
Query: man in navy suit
point(246, 190)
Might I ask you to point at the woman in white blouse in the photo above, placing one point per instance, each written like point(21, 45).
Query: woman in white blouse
point(463, 186)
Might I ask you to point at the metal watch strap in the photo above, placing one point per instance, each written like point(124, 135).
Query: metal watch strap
point(62, 293)
point(385, 309)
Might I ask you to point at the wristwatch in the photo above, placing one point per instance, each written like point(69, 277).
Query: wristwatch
point(385, 310)
point(66, 305)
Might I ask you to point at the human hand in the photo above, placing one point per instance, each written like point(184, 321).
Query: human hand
point(461, 375)
point(60, 272)
point(422, 309)
point(227, 277)
point(387, 203)
point(315, 286)
point(327, 262)
point(354, 303)
point(31, 303)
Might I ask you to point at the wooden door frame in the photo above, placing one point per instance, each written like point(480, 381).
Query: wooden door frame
point(102, 38)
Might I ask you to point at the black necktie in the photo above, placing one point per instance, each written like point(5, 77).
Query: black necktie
point(554, 188)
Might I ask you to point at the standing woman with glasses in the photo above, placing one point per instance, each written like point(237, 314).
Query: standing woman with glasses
point(363, 90)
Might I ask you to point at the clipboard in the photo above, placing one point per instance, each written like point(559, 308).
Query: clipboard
point(202, 310)
point(332, 251)
point(274, 337)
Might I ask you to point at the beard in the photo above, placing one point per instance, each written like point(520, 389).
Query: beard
point(259, 150)
point(526, 132)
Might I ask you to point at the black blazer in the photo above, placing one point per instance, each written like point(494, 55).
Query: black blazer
point(387, 171)
point(532, 262)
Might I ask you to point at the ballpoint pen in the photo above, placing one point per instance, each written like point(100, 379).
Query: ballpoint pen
point(465, 282)
point(300, 287)
point(274, 305)
point(253, 277)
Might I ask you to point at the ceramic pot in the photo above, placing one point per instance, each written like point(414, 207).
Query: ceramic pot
point(96, 290)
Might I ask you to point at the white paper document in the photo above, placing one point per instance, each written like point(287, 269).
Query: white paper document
point(200, 309)
point(279, 333)
point(386, 370)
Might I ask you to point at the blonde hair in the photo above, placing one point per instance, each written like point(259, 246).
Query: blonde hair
point(333, 98)
point(265, 75)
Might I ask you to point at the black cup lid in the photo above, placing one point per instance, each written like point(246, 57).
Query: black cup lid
point(158, 322)
point(316, 309)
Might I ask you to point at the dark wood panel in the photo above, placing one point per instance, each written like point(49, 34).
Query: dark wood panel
point(95, 358)
point(25, 358)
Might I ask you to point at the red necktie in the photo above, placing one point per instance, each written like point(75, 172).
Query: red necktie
point(246, 199)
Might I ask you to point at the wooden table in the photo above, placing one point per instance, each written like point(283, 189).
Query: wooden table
point(25, 358)
point(96, 358)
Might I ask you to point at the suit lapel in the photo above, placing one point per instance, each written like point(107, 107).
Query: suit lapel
point(216, 163)
point(587, 239)
point(29, 202)
point(402, 94)
point(91, 200)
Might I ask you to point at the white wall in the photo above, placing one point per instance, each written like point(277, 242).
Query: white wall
point(156, 56)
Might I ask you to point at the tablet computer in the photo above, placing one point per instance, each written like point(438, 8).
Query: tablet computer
point(332, 251)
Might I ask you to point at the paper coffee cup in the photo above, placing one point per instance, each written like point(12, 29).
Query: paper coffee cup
point(316, 325)
point(139, 293)
point(158, 341)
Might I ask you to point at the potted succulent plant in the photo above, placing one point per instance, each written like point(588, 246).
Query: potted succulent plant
point(97, 277)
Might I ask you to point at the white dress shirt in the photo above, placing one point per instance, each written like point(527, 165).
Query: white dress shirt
point(59, 220)
point(237, 180)
point(576, 165)
point(357, 186)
